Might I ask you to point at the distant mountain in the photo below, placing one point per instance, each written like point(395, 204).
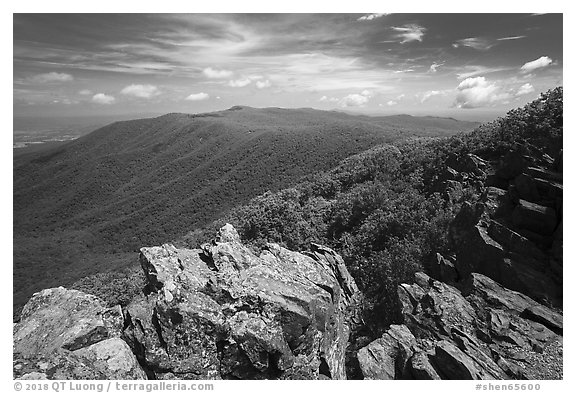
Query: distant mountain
point(79, 207)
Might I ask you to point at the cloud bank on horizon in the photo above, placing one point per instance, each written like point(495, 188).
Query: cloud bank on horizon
point(469, 64)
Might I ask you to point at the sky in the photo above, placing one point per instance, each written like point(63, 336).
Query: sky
point(467, 66)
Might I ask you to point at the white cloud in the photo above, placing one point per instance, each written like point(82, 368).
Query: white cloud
point(65, 101)
point(371, 17)
point(85, 92)
point(216, 74)
point(103, 99)
point(328, 99)
point(469, 71)
point(52, 77)
point(542, 62)
point(263, 84)
point(391, 103)
point(474, 42)
point(410, 32)
point(239, 82)
point(355, 99)
point(477, 92)
point(434, 67)
point(140, 91)
point(429, 94)
point(197, 97)
point(516, 37)
point(526, 88)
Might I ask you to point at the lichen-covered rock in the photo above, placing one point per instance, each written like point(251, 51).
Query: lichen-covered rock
point(68, 334)
point(113, 358)
point(387, 357)
point(59, 318)
point(224, 312)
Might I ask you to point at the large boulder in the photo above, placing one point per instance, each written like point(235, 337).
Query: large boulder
point(68, 334)
point(387, 357)
point(223, 312)
point(534, 217)
point(511, 165)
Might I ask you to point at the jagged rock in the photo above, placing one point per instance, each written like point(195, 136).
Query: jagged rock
point(108, 359)
point(549, 189)
point(526, 187)
point(453, 363)
point(449, 174)
point(467, 163)
point(545, 174)
point(545, 316)
point(67, 334)
point(534, 217)
point(518, 247)
point(61, 318)
point(454, 190)
point(421, 368)
point(514, 255)
point(113, 358)
point(444, 270)
point(497, 202)
point(223, 312)
point(512, 164)
point(483, 331)
point(59, 365)
point(558, 164)
point(387, 357)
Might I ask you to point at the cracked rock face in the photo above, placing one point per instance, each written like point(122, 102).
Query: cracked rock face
point(223, 312)
point(67, 334)
point(220, 312)
point(480, 331)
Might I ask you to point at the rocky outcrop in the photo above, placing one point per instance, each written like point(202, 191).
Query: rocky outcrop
point(67, 334)
point(513, 231)
point(224, 312)
point(480, 331)
point(492, 313)
point(220, 312)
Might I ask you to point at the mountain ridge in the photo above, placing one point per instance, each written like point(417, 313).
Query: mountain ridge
point(148, 181)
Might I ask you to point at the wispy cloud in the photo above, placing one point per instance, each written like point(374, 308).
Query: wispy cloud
point(85, 92)
point(429, 94)
point(370, 17)
point(470, 71)
point(140, 91)
point(474, 42)
point(541, 62)
point(410, 32)
point(103, 99)
point(216, 74)
point(516, 37)
point(198, 97)
point(52, 77)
